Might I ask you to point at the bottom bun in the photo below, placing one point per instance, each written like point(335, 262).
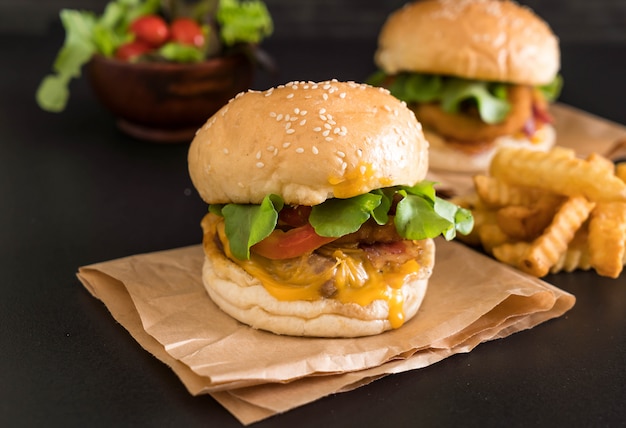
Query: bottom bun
point(244, 298)
point(449, 157)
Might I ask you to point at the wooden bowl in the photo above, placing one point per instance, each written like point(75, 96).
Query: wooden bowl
point(167, 102)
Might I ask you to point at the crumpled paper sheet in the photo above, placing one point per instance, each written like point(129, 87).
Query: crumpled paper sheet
point(159, 298)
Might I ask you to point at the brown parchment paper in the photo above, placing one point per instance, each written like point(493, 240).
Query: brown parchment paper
point(159, 298)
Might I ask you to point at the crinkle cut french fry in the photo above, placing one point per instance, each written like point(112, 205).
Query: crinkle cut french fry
point(511, 253)
point(557, 172)
point(607, 236)
point(601, 162)
point(577, 256)
point(546, 250)
point(497, 193)
point(620, 171)
point(491, 236)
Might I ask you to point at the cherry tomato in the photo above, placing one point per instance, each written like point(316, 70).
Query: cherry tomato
point(130, 50)
point(151, 29)
point(187, 31)
point(293, 243)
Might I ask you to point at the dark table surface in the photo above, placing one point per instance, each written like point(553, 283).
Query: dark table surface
point(76, 191)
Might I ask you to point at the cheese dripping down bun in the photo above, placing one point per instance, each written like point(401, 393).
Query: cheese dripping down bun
point(308, 142)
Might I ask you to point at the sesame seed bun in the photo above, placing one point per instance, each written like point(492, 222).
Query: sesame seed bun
point(307, 142)
point(476, 39)
point(445, 156)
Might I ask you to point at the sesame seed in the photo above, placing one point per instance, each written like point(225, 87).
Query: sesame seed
point(296, 110)
point(272, 114)
point(303, 112)
point(323, 117)
point(279, 117)
point(314, 150)
point(299, 150)
point(322, 110)
point(325, 133)
point(260, 164)
point(287, 116)
point(336, 130)
point(275, 152)
point(226, 151)
point(302, 122)
point(325, 96)
point(317, 129)
point(258, 154)
point(329, 138)
point(342, 95)
point(362, 169)
point(341, 154)
point(326, 86)
point(289, 96)
point(327, 126)
point(288, 125)
point(359, 152)
point(287, 144)
point(291, 131)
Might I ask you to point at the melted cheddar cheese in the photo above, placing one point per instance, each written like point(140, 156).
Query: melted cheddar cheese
point(357, 181)
point(354, 278)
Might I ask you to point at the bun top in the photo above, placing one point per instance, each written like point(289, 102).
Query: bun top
point(307, 142)
point(477, 39)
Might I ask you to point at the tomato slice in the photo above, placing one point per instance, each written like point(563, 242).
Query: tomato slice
point(293, 243)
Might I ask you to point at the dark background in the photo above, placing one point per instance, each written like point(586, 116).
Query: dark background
point(75, 191)
point(598, 21)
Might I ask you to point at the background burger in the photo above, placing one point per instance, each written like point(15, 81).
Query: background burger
point(478, 74)
point(319, 223)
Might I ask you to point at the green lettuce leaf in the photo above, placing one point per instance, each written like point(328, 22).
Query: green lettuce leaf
point(552, 90)
point(453, 93)
point(243, 21)
point(245, 225)
point(491, 107)
point(420, 214)
point(179, 52)
point(353, 213)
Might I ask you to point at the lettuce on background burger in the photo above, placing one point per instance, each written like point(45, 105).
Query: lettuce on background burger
point(478, 74)
point(319, 222)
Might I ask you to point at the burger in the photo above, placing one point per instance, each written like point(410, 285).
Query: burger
point(319, 222)
point(479, 74)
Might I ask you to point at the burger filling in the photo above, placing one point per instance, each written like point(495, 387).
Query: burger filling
point(472, 112)
point(354, 250)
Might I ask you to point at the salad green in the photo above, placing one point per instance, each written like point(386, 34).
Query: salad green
point(453, 93)
point(87, 34)
point(420, 214)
